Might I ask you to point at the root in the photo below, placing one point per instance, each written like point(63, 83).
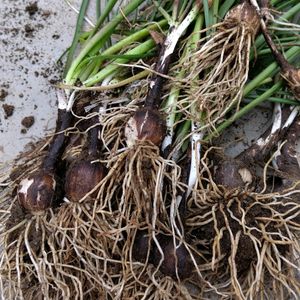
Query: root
point(149, 185)
point(23, 261)
point(84, 249)
point(218, 72)
point(252, 241)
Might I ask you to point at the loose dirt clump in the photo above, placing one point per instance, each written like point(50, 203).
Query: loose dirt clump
point(8, 110)
point(28, 121)
point(32, 8)
point(29, 30)
point(3, 94)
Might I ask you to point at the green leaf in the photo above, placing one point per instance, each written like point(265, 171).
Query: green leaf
point(80, 19)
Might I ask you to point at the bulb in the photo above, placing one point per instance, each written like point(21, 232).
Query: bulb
point(178, 260)
point(244, 14)
point(140, 247)
point(233, 174)
point(145, 125)
point(292, 76)
point(36, 192)
point(82, 176)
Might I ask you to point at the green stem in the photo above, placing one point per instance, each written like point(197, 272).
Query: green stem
point(114, 66)
point(245, 110)
point(225, 8)
point(119, 46)
point(287, 15)
point(194, 41)
point(98, 8)
point(164, 13)
point(101, 37)
point(283, 101)
point(170, 106)
point(107, 9)
point(92, 69)
point(274, 2)
point(133, 38)
point(196, 33)
point(290, 13)
point(80, 19)
point(183, 132)
point(286, 4)
point(216, 4)
point(111, 86)
point(208, 21)
point(268, 51)
point(271, 70)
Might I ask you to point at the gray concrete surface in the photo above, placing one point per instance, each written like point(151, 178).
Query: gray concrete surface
point(30, 44)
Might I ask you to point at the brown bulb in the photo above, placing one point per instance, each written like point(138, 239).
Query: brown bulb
point(179, 260)
point(292, 76)
point(243, 14)
point(232, 174)
point(146, 124)
point(141, 245)
point(82, 176)
point(36, 192)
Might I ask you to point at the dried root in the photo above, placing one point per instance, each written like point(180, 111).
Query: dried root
point(219, 69)
point(25, 258)
point(23, 235)
point(249, 240)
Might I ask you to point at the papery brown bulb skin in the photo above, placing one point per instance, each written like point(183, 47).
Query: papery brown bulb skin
point(233, 174)
point(82, 176)
point(146, 124)
point(140, 248)
point(292, 76)
point(36, 192)
point(174, 260)
point(243, 13)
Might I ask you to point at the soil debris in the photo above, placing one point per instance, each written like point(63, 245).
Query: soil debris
point(3, 94)
point(8, 110)
point(32, 8)
point(27, 122)
point(28, 30)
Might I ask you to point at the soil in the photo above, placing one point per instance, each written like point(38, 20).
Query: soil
point(34, 236)
point(32, 8)
point(8, 110)
point(27, 122)
point(3, 94)
point(246, 253)
point(17, 216)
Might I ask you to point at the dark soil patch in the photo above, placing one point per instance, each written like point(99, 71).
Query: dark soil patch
point(34, 236)
point(29, 30)
point(32, 8)
point(27, 122)
point(255, 213)
point(8, 110)
point(3, 94)
point(17, 216)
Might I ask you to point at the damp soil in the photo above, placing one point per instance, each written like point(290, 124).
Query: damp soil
point(8, 110)
point(27, 122)
point(3, 94)
point(246, 253)
point(32, 8)
point(17, 216)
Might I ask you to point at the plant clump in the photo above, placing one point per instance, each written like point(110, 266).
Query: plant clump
point(134, 196)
